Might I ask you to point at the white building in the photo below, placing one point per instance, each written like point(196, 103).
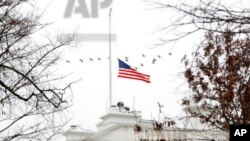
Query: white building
point(118, 125)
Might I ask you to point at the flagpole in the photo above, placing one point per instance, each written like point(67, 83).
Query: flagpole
point(110, 61)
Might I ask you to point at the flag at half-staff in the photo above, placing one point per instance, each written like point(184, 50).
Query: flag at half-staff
point(125, 71)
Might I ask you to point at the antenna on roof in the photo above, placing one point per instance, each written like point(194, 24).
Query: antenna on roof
point(106, 106)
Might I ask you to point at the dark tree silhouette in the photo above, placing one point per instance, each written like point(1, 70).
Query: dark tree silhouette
point(219, 77)
point(30, 98)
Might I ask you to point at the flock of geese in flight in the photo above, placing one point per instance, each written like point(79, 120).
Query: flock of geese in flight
point(91, 59)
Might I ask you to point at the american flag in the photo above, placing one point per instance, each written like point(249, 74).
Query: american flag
point(125, 71)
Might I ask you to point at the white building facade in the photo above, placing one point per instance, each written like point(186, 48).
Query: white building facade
point(118, 125)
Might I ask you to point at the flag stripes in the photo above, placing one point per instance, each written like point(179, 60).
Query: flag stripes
point(125, 71)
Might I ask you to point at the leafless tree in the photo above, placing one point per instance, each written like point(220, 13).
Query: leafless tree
point(199, 16)
point(31, 100)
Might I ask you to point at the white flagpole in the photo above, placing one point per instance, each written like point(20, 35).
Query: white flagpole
point(110, 61)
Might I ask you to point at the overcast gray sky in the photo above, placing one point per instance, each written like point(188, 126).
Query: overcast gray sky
point(134, 23)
